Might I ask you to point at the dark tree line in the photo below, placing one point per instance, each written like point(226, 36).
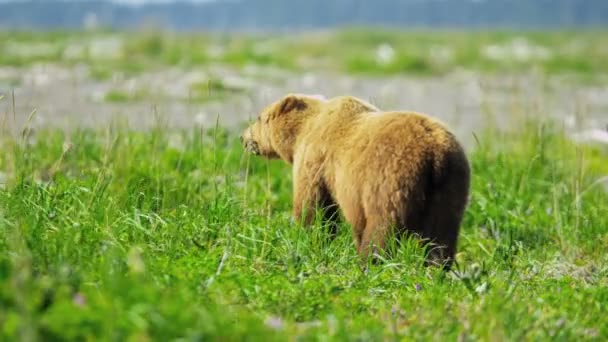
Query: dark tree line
point(306, 14)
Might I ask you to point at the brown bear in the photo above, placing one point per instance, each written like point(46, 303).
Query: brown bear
point(388, 172)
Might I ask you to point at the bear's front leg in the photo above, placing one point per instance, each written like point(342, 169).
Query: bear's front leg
point(306, 200)
point(310, 194)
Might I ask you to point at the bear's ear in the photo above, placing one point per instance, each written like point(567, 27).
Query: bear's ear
point(290, 103)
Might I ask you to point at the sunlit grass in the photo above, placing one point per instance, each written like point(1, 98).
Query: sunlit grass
point(115, 234)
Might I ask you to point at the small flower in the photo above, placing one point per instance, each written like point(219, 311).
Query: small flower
point(274, 323)
point(79, 299)
point(202, 119)
point(385, 54)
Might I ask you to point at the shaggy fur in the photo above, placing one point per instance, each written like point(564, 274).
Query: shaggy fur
point(388, 172)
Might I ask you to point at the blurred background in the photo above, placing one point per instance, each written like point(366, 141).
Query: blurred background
point(468, 62)
point(247, 15)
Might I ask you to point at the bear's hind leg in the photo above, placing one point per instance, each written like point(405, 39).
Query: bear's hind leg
point(449, 191)
point(441, 227)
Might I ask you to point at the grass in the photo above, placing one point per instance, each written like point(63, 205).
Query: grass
point(116, 235)
point(214, 89)
point(121, 96)
point(352, 50)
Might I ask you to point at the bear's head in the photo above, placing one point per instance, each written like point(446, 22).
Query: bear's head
point(274, 133)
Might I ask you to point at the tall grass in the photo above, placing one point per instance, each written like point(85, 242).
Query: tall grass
point(115, 234)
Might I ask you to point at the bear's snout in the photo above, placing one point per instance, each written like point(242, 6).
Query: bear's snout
point(249, 144)
point(252, 147)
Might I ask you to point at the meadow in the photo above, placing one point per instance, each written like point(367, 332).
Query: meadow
point(111, 233)
point(353, 50)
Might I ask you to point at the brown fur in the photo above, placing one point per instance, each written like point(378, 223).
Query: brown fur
point(384, 170)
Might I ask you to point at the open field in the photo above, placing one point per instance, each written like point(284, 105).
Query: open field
point(129, 211)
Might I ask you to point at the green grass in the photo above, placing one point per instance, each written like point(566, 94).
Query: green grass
point(212, 89)
point(353, 50)
point(120, 96)
point(114, 235)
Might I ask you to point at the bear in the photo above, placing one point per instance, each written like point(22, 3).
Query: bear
point(389, 173)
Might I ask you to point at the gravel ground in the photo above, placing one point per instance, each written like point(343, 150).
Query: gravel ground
point(70, 97)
